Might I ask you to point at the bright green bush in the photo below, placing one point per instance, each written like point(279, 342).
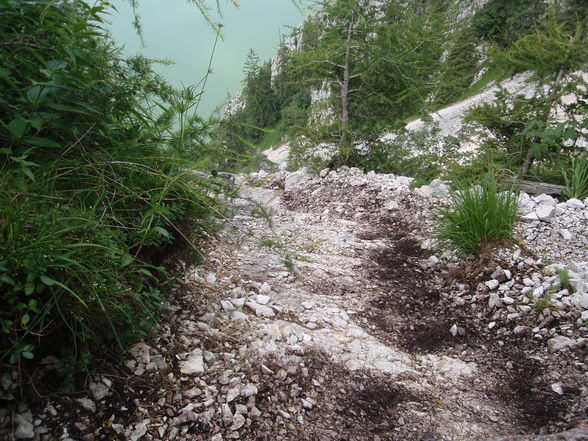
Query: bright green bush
point(477, 216)
point(92, 183)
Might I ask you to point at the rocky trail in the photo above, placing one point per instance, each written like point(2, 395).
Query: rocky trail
point(324, 312)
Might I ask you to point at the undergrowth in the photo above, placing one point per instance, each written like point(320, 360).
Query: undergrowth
point(95, 184)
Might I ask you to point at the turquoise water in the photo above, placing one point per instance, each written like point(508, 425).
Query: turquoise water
point(175, 30)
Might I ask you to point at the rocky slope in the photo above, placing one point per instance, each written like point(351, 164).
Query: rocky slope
point(325, 312)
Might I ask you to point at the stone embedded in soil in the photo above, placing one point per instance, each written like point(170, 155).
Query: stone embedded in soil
point(499, 275)
point(575, 203)
point(99, 391)
point(262, 299)
point(557, 388)
point(453, 330)
point(492, 284)
point(141, 353)
point(545, 212)
point(265, 288)
point(194, 364)
point(238, 316)
point(140, 431)
point(227, 305)
point(24, 426)
point(260, 310)
point(249, 390)
point(193, 393)
point(227, 414)
point(238, 421)
point(87, 404)
point(233, 393)
point(559, 343)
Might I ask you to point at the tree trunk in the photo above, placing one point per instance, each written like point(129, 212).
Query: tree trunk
point(344, 85)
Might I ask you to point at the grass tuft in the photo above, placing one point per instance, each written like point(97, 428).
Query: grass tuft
point(576, 178)
point(477, 216)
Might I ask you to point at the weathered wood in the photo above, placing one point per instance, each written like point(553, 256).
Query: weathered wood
point(535, 187)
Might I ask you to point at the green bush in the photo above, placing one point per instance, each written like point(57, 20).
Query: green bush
point(93, 183)
point(477, 216)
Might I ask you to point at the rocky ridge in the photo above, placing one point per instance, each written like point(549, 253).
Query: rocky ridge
point(324, 311)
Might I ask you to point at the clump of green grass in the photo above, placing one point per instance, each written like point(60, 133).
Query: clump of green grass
point(477, 216)
point(564, 279)
point(543, 303)
point(576, 178)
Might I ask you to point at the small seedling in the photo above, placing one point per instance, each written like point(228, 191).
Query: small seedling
point(262, 212)
point(272, 242)
point(289, 264)
point(302, 258)
point(543, 303)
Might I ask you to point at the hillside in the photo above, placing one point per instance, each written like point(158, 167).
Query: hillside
point(161, 279)
point(506, 79)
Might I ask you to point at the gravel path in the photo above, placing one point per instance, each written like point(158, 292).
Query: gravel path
point(321, 313)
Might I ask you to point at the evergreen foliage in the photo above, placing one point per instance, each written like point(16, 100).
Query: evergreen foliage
point(503, 21)
point(388, 62)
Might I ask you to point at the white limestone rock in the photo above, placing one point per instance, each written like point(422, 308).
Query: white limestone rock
point(260, 310)
point(194, 364)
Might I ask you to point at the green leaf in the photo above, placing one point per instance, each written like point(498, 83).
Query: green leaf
point(66, 108)
point(126, 259)
point(17, 127)
point(41, 142)
point(538, 148)
point(36, 94)
point(146, 272)
point(48, 280)
point(163, 232)
point(28, 355)
point(25, 319)
point(4, 74)
point(28, 173)
point(29, 288)
point(6, 279)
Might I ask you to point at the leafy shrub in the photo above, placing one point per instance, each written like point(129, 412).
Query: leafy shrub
point(477, 216)
point(93, 183)
point(513, 127)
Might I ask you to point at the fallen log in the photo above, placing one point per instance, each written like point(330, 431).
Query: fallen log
point(535, 187)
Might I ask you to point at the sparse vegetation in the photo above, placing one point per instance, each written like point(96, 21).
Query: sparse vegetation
point(543, 303)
